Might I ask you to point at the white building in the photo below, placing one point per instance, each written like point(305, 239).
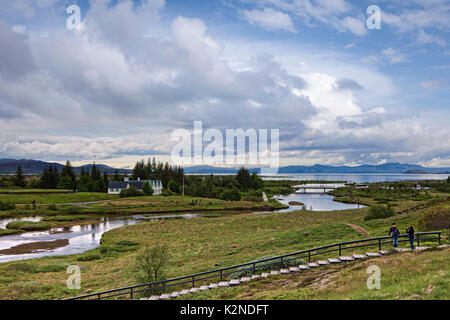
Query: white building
point(115, 187)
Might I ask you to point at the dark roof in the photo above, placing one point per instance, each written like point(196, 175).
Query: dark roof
point(137, 184)
point(117, 185)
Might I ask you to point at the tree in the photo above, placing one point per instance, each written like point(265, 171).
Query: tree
point(232, 194)
point(105, 182)
point(116, 175)
point(147, 189)
point(20, 179)
point(243, 178)
point(448, 179)
point(67, 170)
point(150, 265)
point(65, 183)
point(174, 186)
point(256, 182)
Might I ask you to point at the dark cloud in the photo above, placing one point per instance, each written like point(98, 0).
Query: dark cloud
point(15, 55)
point(348, 84)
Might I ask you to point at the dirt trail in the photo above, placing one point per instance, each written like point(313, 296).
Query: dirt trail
point(358, 228)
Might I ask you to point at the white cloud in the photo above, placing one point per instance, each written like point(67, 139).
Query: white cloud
point(269, 19)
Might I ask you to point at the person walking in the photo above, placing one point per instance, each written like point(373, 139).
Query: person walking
point(395, 234)
point(410, 232)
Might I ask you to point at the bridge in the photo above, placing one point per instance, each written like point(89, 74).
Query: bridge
point(292, 262)
point(317, 189)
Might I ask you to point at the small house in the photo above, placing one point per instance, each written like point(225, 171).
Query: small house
point(115, 187)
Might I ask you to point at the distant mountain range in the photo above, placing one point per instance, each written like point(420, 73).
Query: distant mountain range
point(391, 167)
point(9, 166)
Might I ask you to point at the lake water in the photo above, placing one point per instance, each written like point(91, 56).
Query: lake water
point(315, 202)
point(356, 177)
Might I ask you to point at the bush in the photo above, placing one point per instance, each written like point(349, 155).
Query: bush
point(7, 206)
point(28, 225)
point(52, 207)
point(150, 266)
point(147, 189)
point(379, 212)
point(131, 192)
point(89, 257)
point(232, 194)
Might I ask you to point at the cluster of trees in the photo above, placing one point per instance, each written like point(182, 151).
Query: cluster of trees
point(223, 187)
point(152, 170)
point(88, 181)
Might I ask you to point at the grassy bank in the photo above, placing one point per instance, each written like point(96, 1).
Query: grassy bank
point(406, 276)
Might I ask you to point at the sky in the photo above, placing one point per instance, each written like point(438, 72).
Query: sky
point(114, 89)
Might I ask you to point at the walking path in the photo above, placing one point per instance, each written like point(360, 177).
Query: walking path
point(358, 228)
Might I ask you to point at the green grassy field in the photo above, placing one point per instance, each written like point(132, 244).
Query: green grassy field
point(56, 198)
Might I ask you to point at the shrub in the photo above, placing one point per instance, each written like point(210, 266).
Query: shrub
point(130, 192)
point(7, 206)
point(379, 212)
point(51, 207)
point(147, 189)
point(232, 194)
point(89, 257)
point(150, 266)
point(28, 225)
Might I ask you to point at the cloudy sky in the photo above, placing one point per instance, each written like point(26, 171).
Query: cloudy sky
point(115, 88)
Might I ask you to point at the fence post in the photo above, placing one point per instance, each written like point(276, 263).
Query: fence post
point(164, 287)
point(309, 256)
point(221, 275)
point(193, 281)
point(418, 240)
point(340, 250)
point(379, 244)
point(253, 268)
point(439, 238)
point(131, 294)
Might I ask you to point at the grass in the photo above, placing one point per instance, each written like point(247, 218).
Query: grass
point(430, 281)
point(56, 198)
point(28, 226)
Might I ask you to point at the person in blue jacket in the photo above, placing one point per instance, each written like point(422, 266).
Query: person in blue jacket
point(395, 234)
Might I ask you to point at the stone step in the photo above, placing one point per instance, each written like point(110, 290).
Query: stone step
point(422, 248)
point(183, 292)
point(323, 262)
point(213, 286)
point(373, 254)
point(265, 275)
point(359, 256)
point(144, 299)
point(174, 294)
point(402, 249)
point(444, 246)
point(255, 276)
point(194, 290)
point(154, 298)
point(224, 284)
point(384, 252)
point(274, 272)
point(313, 265)
point(165, 296)
point(245, 279)
point(347, 258)
point(334, 260)
point(294, 269)
point(235, 283)
point(303, 267)
point(285, 271)
point(204, 288)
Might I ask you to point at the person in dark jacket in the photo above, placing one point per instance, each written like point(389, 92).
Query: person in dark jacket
point(395, 234)
point(410, 232)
